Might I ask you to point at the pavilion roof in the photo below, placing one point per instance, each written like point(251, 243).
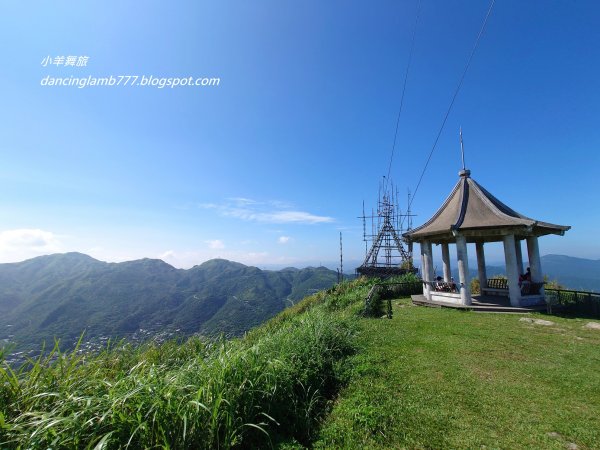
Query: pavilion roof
point(472, 211)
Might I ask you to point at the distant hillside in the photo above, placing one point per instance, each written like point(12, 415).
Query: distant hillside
point(575, 273)
point(61, 295)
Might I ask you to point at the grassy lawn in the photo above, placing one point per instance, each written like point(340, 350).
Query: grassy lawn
point(440, 378)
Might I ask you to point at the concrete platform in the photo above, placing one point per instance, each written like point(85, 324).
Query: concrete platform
point(481, 303)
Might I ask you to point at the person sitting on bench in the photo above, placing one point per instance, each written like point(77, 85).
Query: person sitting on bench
point(525, 277)
point(439, 284)
point(453, 287)
point(525, 281)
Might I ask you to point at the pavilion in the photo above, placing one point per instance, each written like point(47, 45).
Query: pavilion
point(471, 214)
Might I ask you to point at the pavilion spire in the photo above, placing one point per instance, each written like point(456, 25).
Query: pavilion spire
point(462, 149)
point(464, 173)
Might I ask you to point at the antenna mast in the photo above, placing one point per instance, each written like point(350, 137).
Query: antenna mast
point(341, 260)
point(364, 218)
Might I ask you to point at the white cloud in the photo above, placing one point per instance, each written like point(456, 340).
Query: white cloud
point(283, 239)
point(169, 254)
point(208, 206)
point(254, 257)
point(26, 243)
point(265, 212)
point(292, 217)
point(281, 204)
point(242, 201)
point(215, 244)
point(29, 239)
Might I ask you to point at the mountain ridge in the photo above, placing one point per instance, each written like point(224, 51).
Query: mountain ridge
point(64, 294)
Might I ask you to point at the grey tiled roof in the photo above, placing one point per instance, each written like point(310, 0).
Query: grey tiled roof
point(470, 207)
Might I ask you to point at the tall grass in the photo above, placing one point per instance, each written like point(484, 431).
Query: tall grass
point(273, 385)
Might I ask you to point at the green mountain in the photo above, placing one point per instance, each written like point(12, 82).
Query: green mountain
point(60, 296)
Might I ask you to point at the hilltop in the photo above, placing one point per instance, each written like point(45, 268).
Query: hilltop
point(321, 375)
point(62, 295)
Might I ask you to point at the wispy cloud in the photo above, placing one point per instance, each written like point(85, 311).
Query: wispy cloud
point(281, 204)
point(208, 205)
point(168, 255)
point(23, 243)
point(242, 201)
point(275, 216)
point(215, 244)
point(283, 239)
point(29, 239)
point(265, 212)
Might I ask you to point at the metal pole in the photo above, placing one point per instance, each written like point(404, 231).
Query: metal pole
point(341, 259)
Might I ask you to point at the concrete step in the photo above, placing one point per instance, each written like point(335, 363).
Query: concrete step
point(480, 308)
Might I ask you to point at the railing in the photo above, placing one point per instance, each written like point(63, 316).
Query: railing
point(387, 291)
point(576, 302)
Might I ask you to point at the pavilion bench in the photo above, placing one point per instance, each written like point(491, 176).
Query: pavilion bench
point(499, 286)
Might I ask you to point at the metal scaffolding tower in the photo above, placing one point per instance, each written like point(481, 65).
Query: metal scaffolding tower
point(387, 255)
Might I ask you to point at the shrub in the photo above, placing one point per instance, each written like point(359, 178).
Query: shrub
point(373, 303)
point(475, 287)
point(382, 293)
point(552, 284)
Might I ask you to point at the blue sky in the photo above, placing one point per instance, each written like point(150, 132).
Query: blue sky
point(270, 165)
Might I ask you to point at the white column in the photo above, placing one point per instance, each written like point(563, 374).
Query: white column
point(519, 256)
point(512, 271)
point(422, 260)
point(421, 246)
point(463, 270)
point(535, 263)
point(481, 272)
point(427, 267)
point(423, 269)
point(446, 262)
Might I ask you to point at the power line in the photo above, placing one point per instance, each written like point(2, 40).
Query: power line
point(453, 98)
point(412, 46)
